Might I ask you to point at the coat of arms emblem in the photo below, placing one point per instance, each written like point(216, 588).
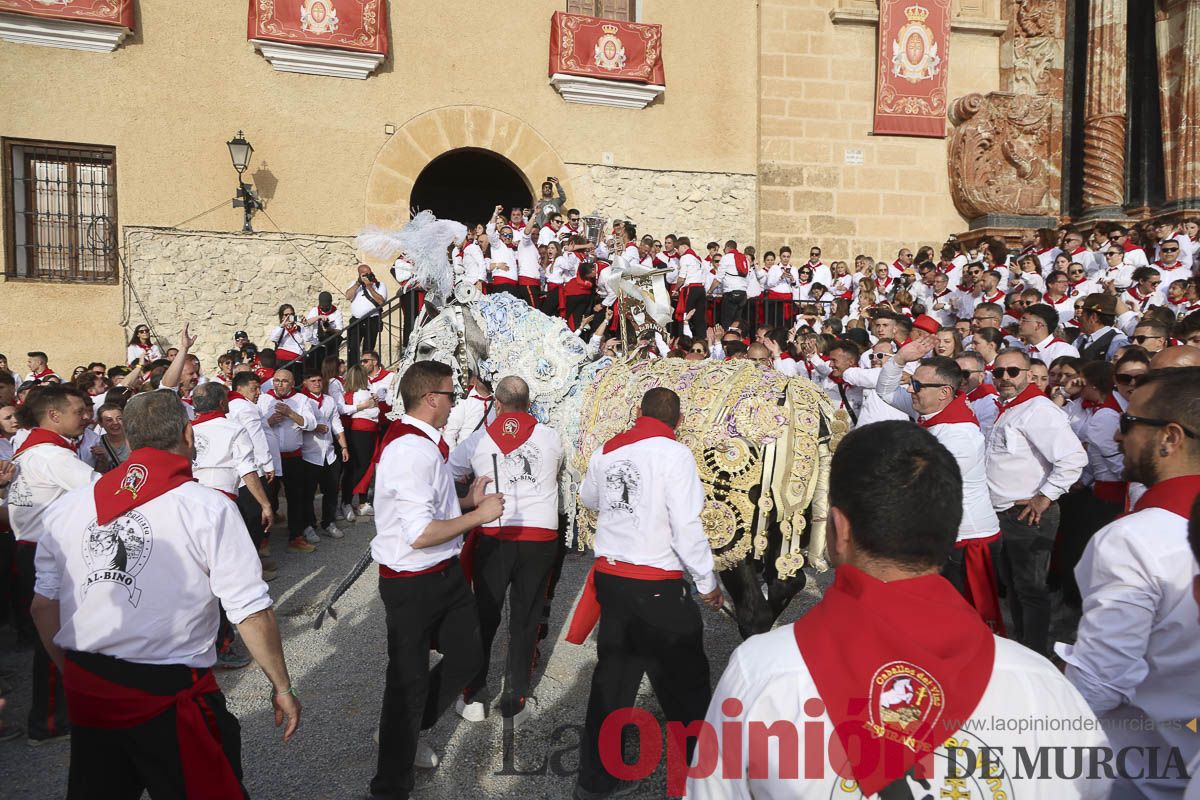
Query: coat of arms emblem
point(318, 16)
point(610, 53)
point(915, 55)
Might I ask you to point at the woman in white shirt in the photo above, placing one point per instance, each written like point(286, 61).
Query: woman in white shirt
point(140, 348)
point(288, 338)
point(359, 403)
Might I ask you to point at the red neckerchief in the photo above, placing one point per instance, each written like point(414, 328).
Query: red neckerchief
point(740, 262)
point(1059, 302)
point(1109, 402)
point(906, 683)
point(1028, 393)
point(145, 347)
point(206, 416)
point(236, 396)
point(643, 428)
point(1164, 268)
point(510, 431)
point(313, 397)
point(942, 293)
point(690, 252)
point(328, 313)
point(1044, 250)
point(398, 429)
point(883, 287)
point(1136, 295)
point(898, 265)
point(383, 373)
point(981, 391)
point(46, 373)
point(996, 298)
point(1129, 246)
point(44, 436)
point(1078, 250)
point(957, 411)
point(271, 392)
point(146, 474)
point(1176, 495)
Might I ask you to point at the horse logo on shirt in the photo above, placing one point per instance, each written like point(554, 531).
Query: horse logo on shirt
point(904, 700)
point(521, 465)
point(117, 552)
point(622, 487)
point(199, 446)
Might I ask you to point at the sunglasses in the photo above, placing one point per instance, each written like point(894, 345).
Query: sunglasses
point(1125, 379)
point(1129, 420)
point(452, 395)
point(880, 356)
point(1143, 339)
point(1012, 372)
point(1170, 249)
point(918, 386)
point(699, 350)
point(1075, 272)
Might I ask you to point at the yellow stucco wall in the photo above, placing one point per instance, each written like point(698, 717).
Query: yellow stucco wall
point(170, 97)
point(817, 102)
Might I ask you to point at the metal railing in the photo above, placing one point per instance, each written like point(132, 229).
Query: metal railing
point(390, 340)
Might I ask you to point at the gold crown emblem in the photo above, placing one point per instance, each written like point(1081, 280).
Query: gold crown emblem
point(611, 29)
point(916, 13)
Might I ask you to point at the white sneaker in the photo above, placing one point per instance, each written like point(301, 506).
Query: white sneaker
point(365, 510)
point(425, 758)
point(332, 531)
point(340, 514)
point(474, 711)
point(349, 513)
point(311, 536)
point(519, 719)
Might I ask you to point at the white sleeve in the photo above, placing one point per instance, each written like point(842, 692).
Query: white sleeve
point(460, 456)
point(48, 566)
point(406, 469)
point(71, 474)
point(1120, 597)
point(306, 412)
point(234, 570)
point(786, 366)
point(863, 378)
point(252, 421)
point(243, 453)
point(589, 490)
point(1051, 435)
point(688, 540)
point(889, 388)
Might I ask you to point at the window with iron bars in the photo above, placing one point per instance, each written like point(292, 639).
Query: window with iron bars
point(60, 205)
point(608, 9)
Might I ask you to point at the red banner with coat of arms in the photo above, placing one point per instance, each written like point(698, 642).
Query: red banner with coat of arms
point(340, 24)
point(914, 55)
point(105, 12)
point(606, 48)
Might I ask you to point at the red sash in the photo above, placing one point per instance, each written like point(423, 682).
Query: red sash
point(145, 475)
point(906, 683)
point(587, 610)
point(388, 572)
point(95, 702)
point(979, 587)
point(44, 436)
point(395, 431)
point(740, 262)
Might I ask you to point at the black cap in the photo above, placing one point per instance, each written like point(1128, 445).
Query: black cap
point(324, 299)
point(241, 335)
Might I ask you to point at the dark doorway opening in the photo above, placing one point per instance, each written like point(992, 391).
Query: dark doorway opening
point(466, 185)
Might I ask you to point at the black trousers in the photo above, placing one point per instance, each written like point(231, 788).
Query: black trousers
point(955, 568)
point(251, 513)
point(416, 609)
point(530, 294)
point(48, 712)
point(325, 477)
point(774, 311)
point(733, 308)
point(522, 571)
point(108, 764)
point(1024, 566)
point(648, 628)
point(550, 299)
point(361, 336)
point(299, 499)
point(578, 307)
point(695, 299)
point(362, 447)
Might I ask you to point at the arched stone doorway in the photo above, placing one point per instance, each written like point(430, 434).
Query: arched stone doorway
point(466, 185)
point(427, 137)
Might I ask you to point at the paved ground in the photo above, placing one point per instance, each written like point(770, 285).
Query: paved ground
point(339, 672)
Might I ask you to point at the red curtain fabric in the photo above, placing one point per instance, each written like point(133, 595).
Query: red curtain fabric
point(914, 56)
point(106, 12)
point(606, 48)
point(338, 24)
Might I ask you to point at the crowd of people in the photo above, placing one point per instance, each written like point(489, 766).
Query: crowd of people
point(1055, 458)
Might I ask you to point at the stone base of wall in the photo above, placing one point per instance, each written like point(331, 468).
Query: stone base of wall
point(223, 282)
point(705, 206)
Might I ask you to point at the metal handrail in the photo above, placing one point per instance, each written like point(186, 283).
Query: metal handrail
point(390, 342)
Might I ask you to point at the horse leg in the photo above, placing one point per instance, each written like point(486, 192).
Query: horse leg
point(781, 592)
point(750, 607)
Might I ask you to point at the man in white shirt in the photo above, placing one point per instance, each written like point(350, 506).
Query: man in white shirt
point(47, 468)
point(419, 524)
point(869, 691)
point(692, 279)
point(1033, 458)
point(224, 454)
point(1137, 652)
point(529, 264)
point(243, 410)
point(732, 275)
point(129, 576)
point(325, 325)
point(935, 398)
point(472, 413)
point(645, 489)
point(514, 555)
point(1037, 327)
point(981, 395)
point(324, 451)
point(366, 295)
point(288, 414)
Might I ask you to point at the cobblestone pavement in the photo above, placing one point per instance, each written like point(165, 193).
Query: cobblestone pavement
point(339, 673)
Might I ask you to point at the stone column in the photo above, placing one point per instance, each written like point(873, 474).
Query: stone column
point(1178, 33)
point(1105, 106)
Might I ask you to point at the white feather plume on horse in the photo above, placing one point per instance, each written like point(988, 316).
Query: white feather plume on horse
point(425, 242)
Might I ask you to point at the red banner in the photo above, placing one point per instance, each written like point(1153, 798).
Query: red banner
point(606, 48)
point(341, 24)
point(105, 12)
point(914, 55)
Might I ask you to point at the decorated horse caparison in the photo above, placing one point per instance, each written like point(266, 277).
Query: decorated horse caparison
point(762, 441)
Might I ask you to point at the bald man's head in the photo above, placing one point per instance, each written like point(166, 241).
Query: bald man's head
point(512, 393)
point(1175, 357)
